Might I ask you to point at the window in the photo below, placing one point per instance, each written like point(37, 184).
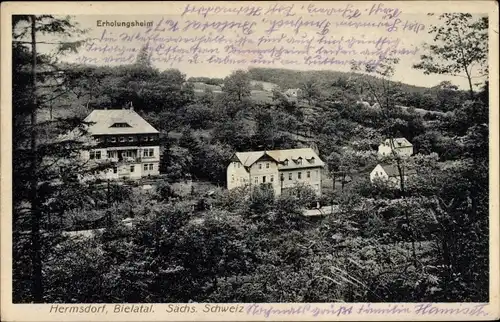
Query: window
point(115, 170)
point(232, 177)
point(92, 154)
point(131, 139)
point(308, 174)
point(132, 168)
point(289, 176)
point(312, 160)
point(151, 138)
point(98, 140)
point(122, 139)
point(263, 179)
point(110, 154)
point(285, 163)
point(299, 175)
point(145, 138)
point(299, 161)
point(260, 165)
point(151, 167)
point(256, 180)
point(272, 178)
point(146, 167)
point(120, 125)
point(98, 155)
point(113, 139)
point(239, 165)
point(267, 165)
point(148, 153)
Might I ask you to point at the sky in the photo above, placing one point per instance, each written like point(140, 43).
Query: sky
point(404, 71)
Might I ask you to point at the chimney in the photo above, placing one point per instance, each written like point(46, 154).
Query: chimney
point(131, 107)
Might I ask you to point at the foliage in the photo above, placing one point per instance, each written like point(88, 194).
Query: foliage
point(459, 44)
point(426, 243)
point(237, 85)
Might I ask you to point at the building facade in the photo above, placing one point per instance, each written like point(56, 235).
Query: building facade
point(389, 173)
point(293, 92)
point(283, 169)
point(124, 142)
point(401, 146)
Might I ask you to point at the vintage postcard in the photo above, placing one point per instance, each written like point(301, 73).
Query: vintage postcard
point(249, 161)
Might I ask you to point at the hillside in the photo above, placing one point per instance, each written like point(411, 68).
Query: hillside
point(288, 78)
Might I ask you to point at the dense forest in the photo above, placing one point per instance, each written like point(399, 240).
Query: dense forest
point(425, 241)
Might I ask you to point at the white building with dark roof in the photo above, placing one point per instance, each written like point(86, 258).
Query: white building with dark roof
point(281, 168)
point(293, 92)
point(390, 173)
point(126, 141)
point(401, 146)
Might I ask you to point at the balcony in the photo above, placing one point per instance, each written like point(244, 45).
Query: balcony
point(133, 159)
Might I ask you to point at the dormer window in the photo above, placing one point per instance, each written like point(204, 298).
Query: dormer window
point(299, 160)
point(131, 139)
point(122, 139)
point(120, 124)
point(311, 160)
point(113, 139)
point(285, 162)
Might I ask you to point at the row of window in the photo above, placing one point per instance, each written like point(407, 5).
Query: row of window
point(147, 153)
point(271, 177)
point(147, 167)
point(267, 165)
point(299, 161)
point(290, 177)
point(122, 139)
point(264, 179)
point(299, 175)
point(285, 163)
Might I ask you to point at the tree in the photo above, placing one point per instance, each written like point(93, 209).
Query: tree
point(310, 90)
point(387, 94)
point(144, 57)
point(208, 97)
point(38, 154)
point(237, 85)
point(461, 45)
point(197, 116)
point(267, 130)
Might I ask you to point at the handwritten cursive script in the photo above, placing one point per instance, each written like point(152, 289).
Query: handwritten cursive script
point(273, 34)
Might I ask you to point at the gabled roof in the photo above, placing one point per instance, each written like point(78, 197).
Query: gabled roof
point(249, 158)
point(399, 143)
point(392, 170)
point(103, 121)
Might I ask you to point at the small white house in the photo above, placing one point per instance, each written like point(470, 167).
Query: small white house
point(390, 173)
point(293, 92)
point(401, 146)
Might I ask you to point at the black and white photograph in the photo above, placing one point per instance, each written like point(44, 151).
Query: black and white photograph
point(251, 152)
